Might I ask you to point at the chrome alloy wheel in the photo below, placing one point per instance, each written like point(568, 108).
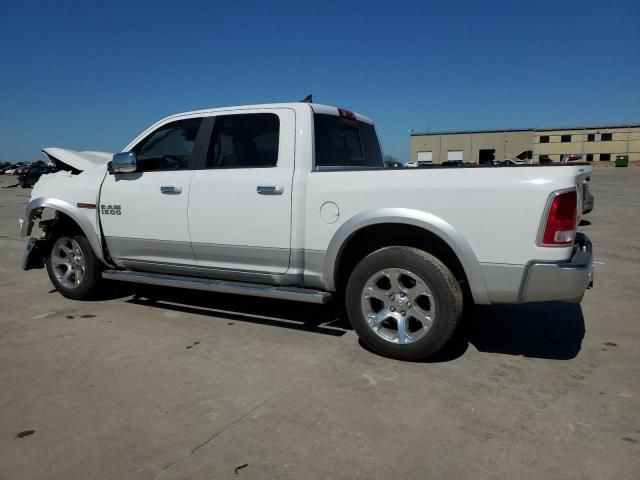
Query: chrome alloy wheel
point(68, 262)
point(398, 306)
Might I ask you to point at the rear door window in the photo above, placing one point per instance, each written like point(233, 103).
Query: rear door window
point(343, 142)
point(248, 140)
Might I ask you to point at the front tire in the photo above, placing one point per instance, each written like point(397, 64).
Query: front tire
point(73, 268)
point(403, 302)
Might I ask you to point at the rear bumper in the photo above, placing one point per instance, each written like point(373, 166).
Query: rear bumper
point(566, 281)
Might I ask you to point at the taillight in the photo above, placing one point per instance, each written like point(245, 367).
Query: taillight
point(561, 218)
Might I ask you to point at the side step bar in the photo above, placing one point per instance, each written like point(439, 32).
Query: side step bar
point(219, 286)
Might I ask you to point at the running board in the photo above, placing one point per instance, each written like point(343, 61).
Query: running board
point(219, 286)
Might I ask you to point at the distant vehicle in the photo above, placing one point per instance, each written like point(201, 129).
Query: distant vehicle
point(509, 162)
point(29, 178)
point(570, 157)
point(453, 163)
point(9, 171)
point(22, 170)
point(588, 199)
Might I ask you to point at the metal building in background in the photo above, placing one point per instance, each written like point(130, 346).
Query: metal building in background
point(536, 145)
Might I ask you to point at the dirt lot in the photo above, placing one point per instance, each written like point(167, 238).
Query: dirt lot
point(174, 385)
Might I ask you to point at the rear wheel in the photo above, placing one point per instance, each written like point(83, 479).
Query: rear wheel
point(403, 302)
point(73, 268)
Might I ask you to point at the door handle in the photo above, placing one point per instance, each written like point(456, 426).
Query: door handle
point(270, 189)
point(170, 189)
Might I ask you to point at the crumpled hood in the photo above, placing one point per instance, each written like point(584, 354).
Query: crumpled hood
point(79, 161)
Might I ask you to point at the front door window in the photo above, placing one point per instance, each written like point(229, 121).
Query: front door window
point(169, 147)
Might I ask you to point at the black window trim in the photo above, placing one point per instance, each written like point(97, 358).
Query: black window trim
point(203, 147)
point(195, 153)
point(201, 164)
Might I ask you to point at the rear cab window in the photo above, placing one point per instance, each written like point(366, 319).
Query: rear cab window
point(345, 143)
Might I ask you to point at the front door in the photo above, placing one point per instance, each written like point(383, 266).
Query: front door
point(144, 213)
point(240, 199)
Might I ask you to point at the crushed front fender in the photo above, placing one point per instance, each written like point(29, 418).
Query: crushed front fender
point(35, 253)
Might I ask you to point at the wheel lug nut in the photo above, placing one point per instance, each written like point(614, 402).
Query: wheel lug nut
point(401, 294)
point(392, 298)
point(408, 304)
point(403, 312)
point(393, 309)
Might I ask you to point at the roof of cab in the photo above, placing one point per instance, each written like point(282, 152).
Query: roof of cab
point(316, 107)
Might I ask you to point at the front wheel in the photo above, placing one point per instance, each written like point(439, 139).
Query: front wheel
point(73, 268)
point(403, 302)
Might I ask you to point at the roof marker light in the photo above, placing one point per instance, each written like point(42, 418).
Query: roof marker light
point(346, 114)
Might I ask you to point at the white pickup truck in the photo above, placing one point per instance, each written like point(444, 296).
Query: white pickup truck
point(292, 201)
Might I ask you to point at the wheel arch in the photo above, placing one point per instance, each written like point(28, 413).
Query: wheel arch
point(417, 228)
point(37, 205)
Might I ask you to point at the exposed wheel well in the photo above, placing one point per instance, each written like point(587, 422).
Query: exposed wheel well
point(63, 222)
point(374, 237)
point(55, 221)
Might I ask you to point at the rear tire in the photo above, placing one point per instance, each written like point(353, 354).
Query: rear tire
point(73, 268)
point(403, 302)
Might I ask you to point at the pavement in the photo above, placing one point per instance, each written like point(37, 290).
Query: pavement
point(164, 384)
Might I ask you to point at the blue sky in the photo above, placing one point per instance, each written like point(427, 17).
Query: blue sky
point(92, 75)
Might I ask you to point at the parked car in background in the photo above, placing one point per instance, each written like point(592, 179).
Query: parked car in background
point(32, 175)
point(509, 162)
point(571, 157)
point(22, 169)
point(587, 197)
point(9, 171)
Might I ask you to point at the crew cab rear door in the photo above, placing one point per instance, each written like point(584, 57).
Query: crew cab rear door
point(144, 213)
point(240, 198)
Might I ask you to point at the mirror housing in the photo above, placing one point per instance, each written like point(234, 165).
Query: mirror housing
point(124, 162)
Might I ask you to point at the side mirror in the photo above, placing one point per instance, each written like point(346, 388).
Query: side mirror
point(124, 162)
